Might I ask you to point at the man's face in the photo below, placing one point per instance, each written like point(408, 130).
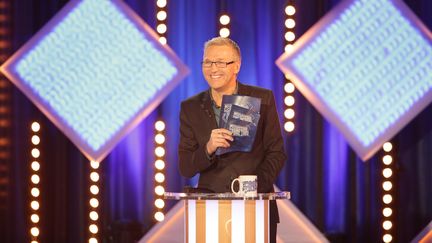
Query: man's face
point(221, 78)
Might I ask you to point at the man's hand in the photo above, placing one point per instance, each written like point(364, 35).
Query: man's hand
point(219, 138)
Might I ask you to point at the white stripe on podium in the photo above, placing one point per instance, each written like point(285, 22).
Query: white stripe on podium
point(212, 221)
point(238, 221)
point(192, 221)
point(259, 220)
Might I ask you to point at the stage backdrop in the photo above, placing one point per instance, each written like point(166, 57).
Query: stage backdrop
point(339, 193)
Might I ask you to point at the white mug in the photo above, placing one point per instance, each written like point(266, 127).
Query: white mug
point(248, 185)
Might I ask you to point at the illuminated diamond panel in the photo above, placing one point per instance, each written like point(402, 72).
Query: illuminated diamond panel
point(96, 70)
point(366, 66)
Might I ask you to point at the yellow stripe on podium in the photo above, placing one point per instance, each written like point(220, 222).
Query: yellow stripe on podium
point(225, 221)
point(200, 221)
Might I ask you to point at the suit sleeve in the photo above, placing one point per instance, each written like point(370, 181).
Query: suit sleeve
point(275, 156)
point(193, 157)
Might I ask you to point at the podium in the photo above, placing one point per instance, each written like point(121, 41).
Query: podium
point(226, 217)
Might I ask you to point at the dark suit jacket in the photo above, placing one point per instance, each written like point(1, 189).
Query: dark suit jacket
point(266, 159)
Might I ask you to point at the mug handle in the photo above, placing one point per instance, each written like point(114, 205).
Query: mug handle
point(232, 185)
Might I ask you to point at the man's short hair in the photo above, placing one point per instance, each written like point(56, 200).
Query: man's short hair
point(223, 41)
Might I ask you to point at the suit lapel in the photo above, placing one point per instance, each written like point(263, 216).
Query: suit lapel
point(206, 106)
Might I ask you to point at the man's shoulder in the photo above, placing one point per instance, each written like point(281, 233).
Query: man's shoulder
point(257, 91)
point(195, 99)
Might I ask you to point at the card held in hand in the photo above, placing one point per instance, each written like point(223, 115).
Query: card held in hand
point(239, 114)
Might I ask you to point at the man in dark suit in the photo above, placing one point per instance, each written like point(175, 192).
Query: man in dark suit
point(200, 135)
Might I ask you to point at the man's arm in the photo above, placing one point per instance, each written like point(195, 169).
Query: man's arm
point(192, 156)
point(275, 156)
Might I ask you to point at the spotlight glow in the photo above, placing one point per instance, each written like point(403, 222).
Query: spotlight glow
point(96, 70)
point(365, 67)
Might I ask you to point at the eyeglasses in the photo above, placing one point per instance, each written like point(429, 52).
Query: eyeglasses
point(208, 64)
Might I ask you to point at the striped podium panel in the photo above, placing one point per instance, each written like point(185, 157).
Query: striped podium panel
point(233, 221)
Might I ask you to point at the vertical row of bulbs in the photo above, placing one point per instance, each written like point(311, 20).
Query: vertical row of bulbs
point(159, 164)
point(159, 170)
point(34, 183)
point(94, 202)
point(161, 16)
point(224, 23)
point(289, 87)
point(387, 186)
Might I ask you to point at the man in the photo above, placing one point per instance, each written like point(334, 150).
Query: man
point(200, 135)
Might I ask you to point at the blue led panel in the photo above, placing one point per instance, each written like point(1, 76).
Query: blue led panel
point(366, 66)
point(95, 70)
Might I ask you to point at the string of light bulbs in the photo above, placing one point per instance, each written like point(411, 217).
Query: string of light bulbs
point(289, 88)
point(387, 195)
point(34, 183)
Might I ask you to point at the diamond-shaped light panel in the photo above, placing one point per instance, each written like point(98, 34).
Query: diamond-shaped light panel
point(366, 66)
point(96, 70)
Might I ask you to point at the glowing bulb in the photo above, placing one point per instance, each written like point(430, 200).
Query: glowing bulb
point(35, 165)
point(387, 185)
point(35, 139)
point(161, 15)
point(34, 218)
point(289, 113)
point(159, 138)
point(159, 216)
point(387, 159)
point(387, 212)
point(162, 40)
point(93, 240)
point(35, 192)
point(94, 176)
point(93, 215)
point(94, 189)
point(94, 202)
point(159, 177)
point(35, 179)
point(289, 48)
point(94, 164)
point(159, 164)
point(159, 151)
point(289, 23)
point(387, 198)
point(224, 19)
point(289, 100)
point(160, 126)
point(35, 127)
point(34, 205)
point(289, 36)
point(387, 147)
point(161, 3)
point(387, 172)
point(289, 126)
point(34, 231)
point(35, 153)
point(93, 228)
point(289, 87)
point(224, 32)
point(159, 203)
point(387, 225)
point(161, 28)
point(387, 238)
point(159, 190)
point(290, 10)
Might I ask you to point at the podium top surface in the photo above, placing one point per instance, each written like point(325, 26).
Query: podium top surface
point(225, 196)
